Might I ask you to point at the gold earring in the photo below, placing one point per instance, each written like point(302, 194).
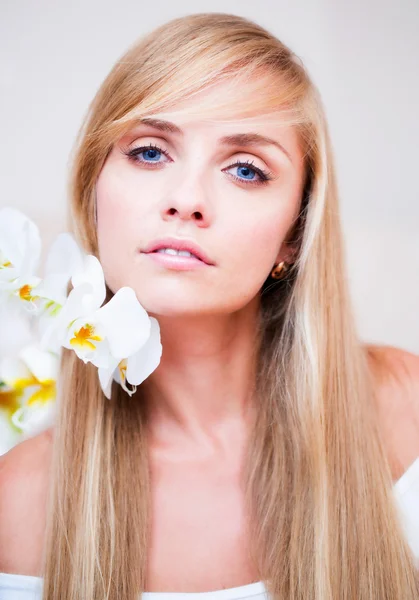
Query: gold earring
point(279, 270)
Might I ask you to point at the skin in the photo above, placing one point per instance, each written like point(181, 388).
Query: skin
point(199, 393)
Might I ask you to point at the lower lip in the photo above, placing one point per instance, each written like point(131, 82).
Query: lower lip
point(176, 262)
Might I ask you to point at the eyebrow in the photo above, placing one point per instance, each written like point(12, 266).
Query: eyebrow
point(237, 139)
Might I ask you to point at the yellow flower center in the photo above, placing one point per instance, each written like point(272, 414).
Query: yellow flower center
point(13, 399)
point(84, 337)
point(45, 392)
point(123, 369)
point(25, 293)
point(9, 400)
point(122, 366)
point(4, 262)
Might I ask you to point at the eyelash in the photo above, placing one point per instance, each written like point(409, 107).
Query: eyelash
point(265, 176)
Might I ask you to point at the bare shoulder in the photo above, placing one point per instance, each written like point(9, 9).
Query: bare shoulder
point(24, 472)
point(395, 374)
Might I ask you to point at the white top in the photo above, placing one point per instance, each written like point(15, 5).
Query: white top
point(406, 490)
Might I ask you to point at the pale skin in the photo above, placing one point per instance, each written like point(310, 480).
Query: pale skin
point(200, 405)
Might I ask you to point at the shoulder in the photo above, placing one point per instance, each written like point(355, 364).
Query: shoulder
point(394, 364)
point(395, 375)
point(23, 495)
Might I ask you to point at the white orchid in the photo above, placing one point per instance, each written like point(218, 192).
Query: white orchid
point(86, 297)
point(63, 260)
point(20, 249)
point(16, 333)
point(107, 335)
point(135, 368)
point(17, 329)
point(27, 393)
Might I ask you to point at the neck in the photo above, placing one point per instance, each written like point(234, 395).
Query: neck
point(202, 390)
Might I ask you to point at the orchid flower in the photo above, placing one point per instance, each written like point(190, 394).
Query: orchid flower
point(86, 297)
point(64, 258)
point(28, 391)
point(17, 330)
point(135, 368)
point(105, 335)
point(20, 248)
point(15, 333)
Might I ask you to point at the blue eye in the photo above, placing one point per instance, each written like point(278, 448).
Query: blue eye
point(151, 154)
point(247, 173)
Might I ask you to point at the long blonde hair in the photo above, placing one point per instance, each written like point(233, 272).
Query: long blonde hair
point(318, 487)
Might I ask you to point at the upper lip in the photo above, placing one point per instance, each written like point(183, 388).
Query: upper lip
point(179, 244)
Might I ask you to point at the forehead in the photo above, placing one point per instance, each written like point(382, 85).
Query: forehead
point(227, 109)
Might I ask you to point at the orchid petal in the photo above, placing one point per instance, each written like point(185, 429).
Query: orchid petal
point(64, 259)
point(7, 274)
point(120, 377)
point(90, 271)
point(64, 256)
point(13, 370)
point(34, 418)
point(9, 435)
point(15, 331)
point(53, 288)
point(141, 364)
point(106, 377)
point(126, 323)
point(44, 365)
point(31, 249)
point(20, 241)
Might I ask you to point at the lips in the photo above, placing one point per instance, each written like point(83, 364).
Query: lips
point(179, 244)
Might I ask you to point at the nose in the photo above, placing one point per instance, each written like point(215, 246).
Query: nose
point(187, 200)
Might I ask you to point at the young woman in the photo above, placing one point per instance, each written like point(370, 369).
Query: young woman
point(262, 452)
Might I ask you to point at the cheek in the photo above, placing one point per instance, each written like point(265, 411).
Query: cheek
point(256, 235)
point(246, 263)
point(255, 246)
point(117, 226)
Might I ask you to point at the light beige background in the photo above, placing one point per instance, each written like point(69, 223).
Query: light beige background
point(364, 57)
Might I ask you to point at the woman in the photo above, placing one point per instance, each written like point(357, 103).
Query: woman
point(258, 450)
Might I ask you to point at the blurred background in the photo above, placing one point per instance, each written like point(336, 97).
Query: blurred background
point(364, 58)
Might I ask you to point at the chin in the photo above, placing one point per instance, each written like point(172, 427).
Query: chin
point(165, 312)
point(169, 305)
